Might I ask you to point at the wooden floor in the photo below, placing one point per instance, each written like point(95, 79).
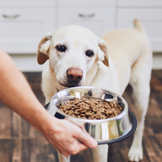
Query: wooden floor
point(20, 142)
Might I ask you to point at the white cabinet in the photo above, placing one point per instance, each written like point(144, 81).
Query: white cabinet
point(22, 29)
point(98, 20)
point(87, 3)
point(27, 3)
point(98, 16)
point(151, 20)
point(24, 22)
point(140, 3)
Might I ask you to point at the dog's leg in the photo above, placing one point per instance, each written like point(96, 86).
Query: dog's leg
point(100, 154)
point(62, 158)
point(141, 92)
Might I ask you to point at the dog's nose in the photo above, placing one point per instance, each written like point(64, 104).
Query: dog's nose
point(74, 75)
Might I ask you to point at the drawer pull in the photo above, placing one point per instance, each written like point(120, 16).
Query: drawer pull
point(10, 16)
point(86, 16)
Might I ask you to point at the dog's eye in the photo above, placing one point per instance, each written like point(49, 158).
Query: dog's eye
point(89, 53)
point(61, 48)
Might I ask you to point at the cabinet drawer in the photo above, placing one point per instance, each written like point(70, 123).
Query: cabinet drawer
point(87, 2)
point(16, 3)
point(22, 29)
point(140, 3)
point(98, 20)
point(151, 20)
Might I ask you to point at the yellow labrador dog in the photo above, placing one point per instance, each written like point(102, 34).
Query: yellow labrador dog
point(78, 57)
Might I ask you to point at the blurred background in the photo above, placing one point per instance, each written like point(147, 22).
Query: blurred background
point(23, 23)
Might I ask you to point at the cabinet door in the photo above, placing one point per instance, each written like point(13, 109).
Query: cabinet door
point(7, 3)
point(140, 3)
point(87, 2)
point(151, 20)
point(22, 29)
point(98, 20)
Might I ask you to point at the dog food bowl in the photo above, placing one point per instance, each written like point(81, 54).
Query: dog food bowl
point(104, 131)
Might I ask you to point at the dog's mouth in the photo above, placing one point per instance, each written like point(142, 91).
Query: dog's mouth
point(69, 84)
point(72, 78)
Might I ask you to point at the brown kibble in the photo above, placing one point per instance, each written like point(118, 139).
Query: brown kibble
point(66, 112)
point(89, 113)
point(68, 107)
point(73, 115)
point(100, 105)
point(82, 115)
point(98, 116)
point(93, 105)
point(103, 117)
point(76, 112)
point(115, 113)
point(111, 105)
point(90, 108)
point(86, 108)
point(107, 106)
point(83, 111)
point(109, 112)
point(70, 112)
point(80, 109)
point(101, 109)
point(88, 102)
point(77, 101)
point(95, 109)
point(84, 99)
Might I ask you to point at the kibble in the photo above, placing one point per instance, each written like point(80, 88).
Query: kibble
point(90, 108)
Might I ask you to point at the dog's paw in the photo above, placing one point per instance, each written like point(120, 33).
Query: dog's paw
point(135, 154)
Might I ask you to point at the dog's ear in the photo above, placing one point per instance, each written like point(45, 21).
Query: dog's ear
point(103, 51)
point(43, 48)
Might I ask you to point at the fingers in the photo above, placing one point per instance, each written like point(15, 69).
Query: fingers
point(65, 137)
point(85, 138)
point(73, 149)
point(81, 134)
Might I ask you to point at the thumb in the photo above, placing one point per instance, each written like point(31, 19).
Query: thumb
point(85, 138)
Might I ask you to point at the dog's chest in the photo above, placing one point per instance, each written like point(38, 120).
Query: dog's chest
point(102, 78)
point(106, 78)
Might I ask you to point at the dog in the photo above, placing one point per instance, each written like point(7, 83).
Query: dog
point(120, 57)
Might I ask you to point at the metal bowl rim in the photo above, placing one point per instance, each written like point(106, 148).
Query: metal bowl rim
point(90, 120)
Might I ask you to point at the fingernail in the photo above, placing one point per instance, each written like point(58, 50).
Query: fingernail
point(93, 143)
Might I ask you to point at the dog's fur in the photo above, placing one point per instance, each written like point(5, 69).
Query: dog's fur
point(121, 57)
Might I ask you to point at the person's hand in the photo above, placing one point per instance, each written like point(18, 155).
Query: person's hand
point(18, 96)
point(64, 136)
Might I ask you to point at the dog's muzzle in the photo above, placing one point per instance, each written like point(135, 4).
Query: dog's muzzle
point(74, 76)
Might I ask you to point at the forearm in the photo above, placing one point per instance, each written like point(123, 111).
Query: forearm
point(16, 93)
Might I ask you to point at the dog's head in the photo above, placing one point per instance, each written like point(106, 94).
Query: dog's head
point(72, 52)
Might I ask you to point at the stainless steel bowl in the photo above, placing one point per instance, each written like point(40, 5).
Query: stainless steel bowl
point(104, 130)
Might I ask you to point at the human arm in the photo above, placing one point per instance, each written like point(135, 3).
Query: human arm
point(16, 93)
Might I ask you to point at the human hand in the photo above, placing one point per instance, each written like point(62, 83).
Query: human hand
point(64, 136)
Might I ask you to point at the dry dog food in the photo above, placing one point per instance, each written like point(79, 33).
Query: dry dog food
point(90, 108)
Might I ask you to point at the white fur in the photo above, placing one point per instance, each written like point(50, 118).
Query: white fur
point(129, 56)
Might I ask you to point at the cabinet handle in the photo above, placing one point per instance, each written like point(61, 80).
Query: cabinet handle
point(10, 16)
point(86, 16)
